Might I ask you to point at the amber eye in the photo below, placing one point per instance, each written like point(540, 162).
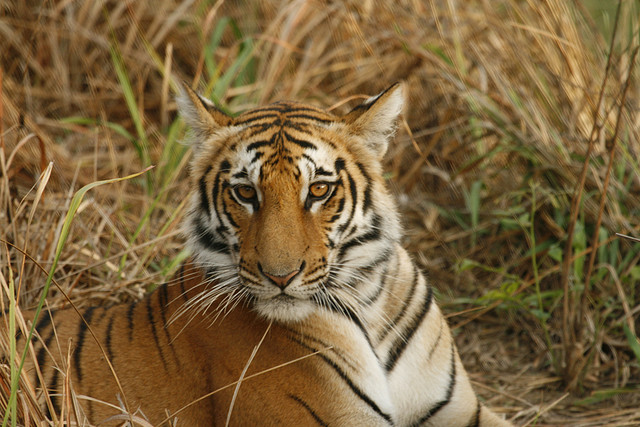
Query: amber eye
point(319, 190)
point(246, 193)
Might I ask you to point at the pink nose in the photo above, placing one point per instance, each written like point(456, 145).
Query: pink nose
point(281, 281)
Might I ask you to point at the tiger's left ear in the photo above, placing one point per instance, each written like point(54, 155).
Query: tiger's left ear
point(375, 119)
point(199, 113)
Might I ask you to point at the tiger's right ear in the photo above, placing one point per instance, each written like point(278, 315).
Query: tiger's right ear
point(199, 113)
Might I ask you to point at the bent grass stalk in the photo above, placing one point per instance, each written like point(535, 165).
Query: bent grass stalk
point(244, 372)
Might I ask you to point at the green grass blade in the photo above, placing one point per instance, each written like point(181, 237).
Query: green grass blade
point(212, 46)
point(474, 209)
point(633, 341)
point(85, 121)
point(142, 144)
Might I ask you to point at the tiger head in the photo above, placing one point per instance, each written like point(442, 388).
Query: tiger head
point(289, 210)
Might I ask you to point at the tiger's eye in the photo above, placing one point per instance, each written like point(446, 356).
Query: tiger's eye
point(319, 189)
point(245, 192)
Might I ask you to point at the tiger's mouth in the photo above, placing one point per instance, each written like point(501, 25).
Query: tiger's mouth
point(287, 291)
point(283, 307)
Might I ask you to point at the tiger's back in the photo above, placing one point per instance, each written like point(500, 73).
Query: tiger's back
point(293, 230)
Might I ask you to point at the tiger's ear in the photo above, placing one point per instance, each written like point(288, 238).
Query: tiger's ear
point(375, 119)
point(199, 113)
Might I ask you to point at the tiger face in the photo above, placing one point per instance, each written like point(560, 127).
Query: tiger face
point(290, 210)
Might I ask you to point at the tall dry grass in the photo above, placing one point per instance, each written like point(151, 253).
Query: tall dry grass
point(515, 168)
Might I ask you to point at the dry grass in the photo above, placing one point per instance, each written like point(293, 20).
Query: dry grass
point(523, 114)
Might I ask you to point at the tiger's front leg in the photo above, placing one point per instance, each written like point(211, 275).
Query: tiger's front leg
point(427, 381)
point(429, 384)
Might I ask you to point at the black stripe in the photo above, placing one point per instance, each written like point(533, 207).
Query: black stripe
point(204, 197)
point(321, 171)
point(163, 295)
point(108, 333)
point(242, 174)
point(311, 412)
point(265, 115)
point(338, 213)
point(40, 360)
point(222, 230)
point(299, 142)
point(367, 200)
point(315, 166)
point(82, 331)
point(42, 352)
point(255, 129)
point(401, 342)
point(46, 318)
point(208, 240)
point(437, 341)
point(309, 117)
point(288, 108)
point(258, 144)
point(226, 213)
point(163, 303)
point(270, 114)
point(475, 421)
point(214, 191)
point(382, 285)
point(256, 157)
point(152, 322)
point(224, 168)
point(452, 383)
point(354, 201)
point(300, 338)
point(405, 304)
point(215, 195)
point(363, 396)
point(373, 234)
point(53, 384)
point(132, 307)
point(382, 257)
point(349, 314)
point(102, 313)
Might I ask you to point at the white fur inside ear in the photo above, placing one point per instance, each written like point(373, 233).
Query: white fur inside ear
point(386, 116)
point(378, 124)
point(200, 114)
point(191, 113)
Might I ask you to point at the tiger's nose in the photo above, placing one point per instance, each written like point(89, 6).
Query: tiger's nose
point(281, 281)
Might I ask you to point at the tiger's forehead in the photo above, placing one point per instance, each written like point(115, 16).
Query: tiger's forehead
point(284, 113)
point(283, 139)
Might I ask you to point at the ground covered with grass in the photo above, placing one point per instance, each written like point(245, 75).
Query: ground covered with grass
point(515, 167)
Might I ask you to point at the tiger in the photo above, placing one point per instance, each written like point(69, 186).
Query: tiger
point(299, 305)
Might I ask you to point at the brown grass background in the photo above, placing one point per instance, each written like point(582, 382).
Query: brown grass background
point(521, 116)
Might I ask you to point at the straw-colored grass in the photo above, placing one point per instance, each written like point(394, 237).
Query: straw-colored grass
point(515, 168)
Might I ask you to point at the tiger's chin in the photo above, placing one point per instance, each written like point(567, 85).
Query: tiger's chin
point(284, 308)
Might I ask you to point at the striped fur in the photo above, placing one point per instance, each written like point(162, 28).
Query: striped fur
point(291, 225)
